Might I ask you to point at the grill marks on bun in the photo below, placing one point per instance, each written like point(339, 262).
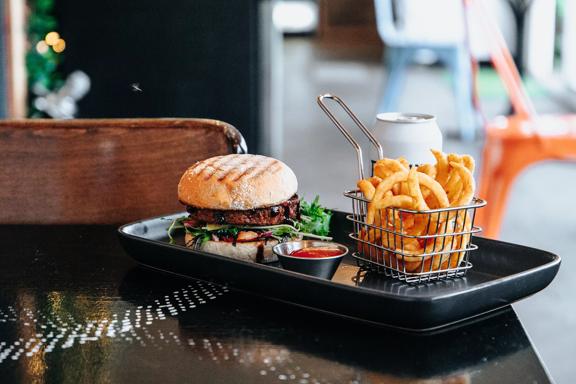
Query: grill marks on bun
point(235, 167)
point(257, 171)
point(237, 182)
point(242, 169)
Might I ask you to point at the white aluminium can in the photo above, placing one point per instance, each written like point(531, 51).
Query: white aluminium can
point(408, 135)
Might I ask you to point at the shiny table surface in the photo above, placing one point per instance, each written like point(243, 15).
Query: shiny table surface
point(74, 308)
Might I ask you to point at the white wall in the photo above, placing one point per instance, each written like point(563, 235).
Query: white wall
point(539, 39)
point(569, 44)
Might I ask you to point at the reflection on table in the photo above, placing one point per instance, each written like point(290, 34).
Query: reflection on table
point(80, 311)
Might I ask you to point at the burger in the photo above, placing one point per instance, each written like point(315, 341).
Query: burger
point(242, 205)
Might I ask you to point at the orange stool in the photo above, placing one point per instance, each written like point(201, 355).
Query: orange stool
point(512, 144)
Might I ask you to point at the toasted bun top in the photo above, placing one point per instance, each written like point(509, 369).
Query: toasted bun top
point(237, 182)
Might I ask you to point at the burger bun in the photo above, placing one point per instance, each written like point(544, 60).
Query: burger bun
point(237, 182)
point(245, 251)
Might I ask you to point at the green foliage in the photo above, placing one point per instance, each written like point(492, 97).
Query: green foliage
point(42, 68)
point(314, 218)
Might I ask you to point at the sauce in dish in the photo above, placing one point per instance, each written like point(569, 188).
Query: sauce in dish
point(316, 252)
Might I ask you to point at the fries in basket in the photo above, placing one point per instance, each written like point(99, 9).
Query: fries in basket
point(416, 218)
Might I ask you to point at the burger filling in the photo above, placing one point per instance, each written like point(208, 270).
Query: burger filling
point(274, 215)
point(286, 220)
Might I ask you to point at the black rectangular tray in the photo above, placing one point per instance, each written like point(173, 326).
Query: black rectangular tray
point(502, 273)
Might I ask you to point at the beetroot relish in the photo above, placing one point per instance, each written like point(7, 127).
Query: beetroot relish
point(264, 236)
point(316, 252)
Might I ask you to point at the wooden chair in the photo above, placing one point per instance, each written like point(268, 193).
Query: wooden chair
point(101, 171)
point(515, 142)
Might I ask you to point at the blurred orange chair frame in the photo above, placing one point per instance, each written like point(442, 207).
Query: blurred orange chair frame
point(517, 141)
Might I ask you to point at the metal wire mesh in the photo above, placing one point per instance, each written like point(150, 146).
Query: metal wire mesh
point(414, 246)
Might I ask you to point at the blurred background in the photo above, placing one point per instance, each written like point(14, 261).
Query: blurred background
point(260, 64)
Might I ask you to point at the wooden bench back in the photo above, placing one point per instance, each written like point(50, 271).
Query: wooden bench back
point(101, 171)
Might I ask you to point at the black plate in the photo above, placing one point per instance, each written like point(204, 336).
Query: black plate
point(502, 274)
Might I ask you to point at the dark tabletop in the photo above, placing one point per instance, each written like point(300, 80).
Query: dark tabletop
point(74, 308)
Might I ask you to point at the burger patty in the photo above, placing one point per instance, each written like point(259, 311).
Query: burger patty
point(276, 214)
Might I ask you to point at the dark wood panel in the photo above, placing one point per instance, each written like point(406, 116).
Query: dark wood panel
point(101, 171)
point(348, 23)
point(189, 57)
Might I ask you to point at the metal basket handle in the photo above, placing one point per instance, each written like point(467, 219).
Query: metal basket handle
point(346, 133)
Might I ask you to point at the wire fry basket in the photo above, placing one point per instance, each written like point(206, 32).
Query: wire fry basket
point(438, 249)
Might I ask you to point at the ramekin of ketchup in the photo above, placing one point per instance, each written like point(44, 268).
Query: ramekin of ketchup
point(312, 257)
point(317, 252)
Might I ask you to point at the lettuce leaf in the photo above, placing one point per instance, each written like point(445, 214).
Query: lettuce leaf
point(314, 218)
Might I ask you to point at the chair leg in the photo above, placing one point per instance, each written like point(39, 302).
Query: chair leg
point(493, 213)
point(462, 85)
point(494, 188)
point(397, 61)
point(501, 164)
point(484, 185)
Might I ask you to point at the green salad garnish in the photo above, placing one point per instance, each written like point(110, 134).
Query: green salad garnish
point(314, 223)
point(314, 218)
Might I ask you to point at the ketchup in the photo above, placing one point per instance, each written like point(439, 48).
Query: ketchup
point(316, 252)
